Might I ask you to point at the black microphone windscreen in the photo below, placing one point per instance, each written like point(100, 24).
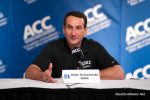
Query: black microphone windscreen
point(78, 52)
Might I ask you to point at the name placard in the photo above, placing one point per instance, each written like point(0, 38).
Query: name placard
point(81, 76)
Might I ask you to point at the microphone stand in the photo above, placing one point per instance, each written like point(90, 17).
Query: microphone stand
point(78, 62)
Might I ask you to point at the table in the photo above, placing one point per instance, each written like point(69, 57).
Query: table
point(25, 89)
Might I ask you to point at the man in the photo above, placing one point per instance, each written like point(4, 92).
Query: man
point(58, 54)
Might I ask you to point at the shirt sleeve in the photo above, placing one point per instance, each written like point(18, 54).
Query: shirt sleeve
point(103, 58)
point(44, 58)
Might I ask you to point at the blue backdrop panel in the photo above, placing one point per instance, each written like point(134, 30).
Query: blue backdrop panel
point(4, 37)
point(135, 38)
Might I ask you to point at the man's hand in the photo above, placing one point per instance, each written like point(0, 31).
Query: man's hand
point(47, 75)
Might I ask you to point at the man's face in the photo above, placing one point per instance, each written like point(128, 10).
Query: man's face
point(74, 31)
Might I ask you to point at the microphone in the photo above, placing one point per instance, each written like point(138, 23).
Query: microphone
point(77, 52)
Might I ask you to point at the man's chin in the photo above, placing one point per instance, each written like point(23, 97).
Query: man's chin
point(74, 43)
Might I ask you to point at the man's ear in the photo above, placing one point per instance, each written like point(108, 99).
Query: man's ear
point(63, 29)
point(85, 33)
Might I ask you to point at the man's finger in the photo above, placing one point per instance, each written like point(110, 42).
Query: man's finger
point(47, 74)
point(51, 80)
point(50, 69)
point(50, 66)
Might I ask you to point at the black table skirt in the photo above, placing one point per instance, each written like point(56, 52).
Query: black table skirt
point(74, 94)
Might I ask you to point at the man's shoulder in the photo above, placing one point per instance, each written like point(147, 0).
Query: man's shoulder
point(57, 42)
point(55, 45)
point(92, 42)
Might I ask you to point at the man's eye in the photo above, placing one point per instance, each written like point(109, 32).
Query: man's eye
point(69, 27)
point(79, 28)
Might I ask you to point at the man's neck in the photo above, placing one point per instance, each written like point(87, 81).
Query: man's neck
point(73, 46)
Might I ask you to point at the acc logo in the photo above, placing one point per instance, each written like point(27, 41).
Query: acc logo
point(134, 2)
point(37, 27)
point(96, 19)
point(140, 29)
point(30, 1)
point(75, 50)
point(3, 20)
point(2, 67)
point(92, 13)
point(140, 71)
point(39, 33)
point(1, 15)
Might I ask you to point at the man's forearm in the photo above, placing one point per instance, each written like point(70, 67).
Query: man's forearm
point(33, 72)
point(112, 73)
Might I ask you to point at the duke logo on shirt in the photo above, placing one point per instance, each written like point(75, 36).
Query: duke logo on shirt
point(85, 63)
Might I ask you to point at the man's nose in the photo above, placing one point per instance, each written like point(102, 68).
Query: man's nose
point(74, 31)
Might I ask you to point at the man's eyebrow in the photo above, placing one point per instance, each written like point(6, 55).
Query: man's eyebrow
point(69, 25)
point(72, 25)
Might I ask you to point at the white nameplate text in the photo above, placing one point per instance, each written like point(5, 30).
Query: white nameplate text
point(81, 76)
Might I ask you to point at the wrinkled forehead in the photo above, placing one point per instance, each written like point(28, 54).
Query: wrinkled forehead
point(74, 21)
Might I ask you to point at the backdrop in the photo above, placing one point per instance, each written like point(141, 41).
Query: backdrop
point(121, 26)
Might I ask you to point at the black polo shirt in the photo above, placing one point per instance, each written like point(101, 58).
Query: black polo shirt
point(59, 53)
